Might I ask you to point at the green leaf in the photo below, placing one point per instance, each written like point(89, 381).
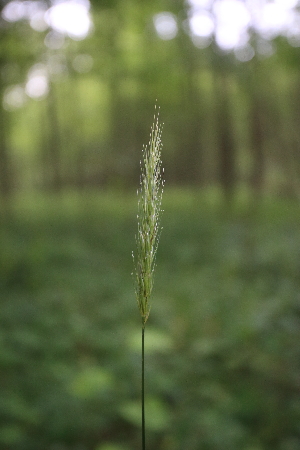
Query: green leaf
point(111, 447)
point(11, 435)
point(91, 381)
point(157, 414)
point(155, 341)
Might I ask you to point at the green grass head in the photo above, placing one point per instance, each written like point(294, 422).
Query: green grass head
point(149, 212)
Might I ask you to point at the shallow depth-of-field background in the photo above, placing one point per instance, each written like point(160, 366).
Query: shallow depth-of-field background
point(222, 361)
point(79, 81)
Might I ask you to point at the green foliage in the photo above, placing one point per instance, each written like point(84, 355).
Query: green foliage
point(223, 343)
point(90, 127)
point(158, 415)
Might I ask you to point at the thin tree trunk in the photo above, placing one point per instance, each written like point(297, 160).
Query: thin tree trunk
point(5, 162)
point(55, 147)
point(227, 169)
point(257, 141)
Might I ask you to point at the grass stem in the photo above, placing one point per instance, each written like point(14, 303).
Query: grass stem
point(143, 389)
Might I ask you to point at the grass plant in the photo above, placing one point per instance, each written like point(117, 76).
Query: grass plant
point(149, 211)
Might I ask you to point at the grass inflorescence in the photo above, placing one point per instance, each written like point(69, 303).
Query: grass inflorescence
point(149, 211)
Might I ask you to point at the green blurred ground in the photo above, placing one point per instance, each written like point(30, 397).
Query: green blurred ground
point(223, 347)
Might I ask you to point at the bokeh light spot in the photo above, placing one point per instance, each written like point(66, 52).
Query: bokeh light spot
point(37, 86)
point(14, 97)
point(14, 11)
point(202, 24)
point(54, 40)
point(166, 25)
point(70, 17)
point(245, 53)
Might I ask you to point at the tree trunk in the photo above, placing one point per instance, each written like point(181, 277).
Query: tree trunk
point(227, 169)
point(5, 162)
point(258, 156)
point(54, 146)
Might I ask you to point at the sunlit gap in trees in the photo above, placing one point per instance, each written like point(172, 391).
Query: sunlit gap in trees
point(63, 19)
point(69, 17)
point(230, 23)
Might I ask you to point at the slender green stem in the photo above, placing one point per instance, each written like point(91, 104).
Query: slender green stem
point(143, 388)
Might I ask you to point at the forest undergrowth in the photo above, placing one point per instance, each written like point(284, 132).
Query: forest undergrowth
point(223, 352)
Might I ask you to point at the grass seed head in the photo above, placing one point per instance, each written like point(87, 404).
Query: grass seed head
point(149, 212)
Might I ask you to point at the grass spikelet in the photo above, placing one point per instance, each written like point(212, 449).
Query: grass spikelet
point(149, 211)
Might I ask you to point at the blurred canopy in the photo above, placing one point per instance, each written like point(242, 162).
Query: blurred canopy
point(79, 82)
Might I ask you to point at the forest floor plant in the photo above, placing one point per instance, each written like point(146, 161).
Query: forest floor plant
point(147, 238)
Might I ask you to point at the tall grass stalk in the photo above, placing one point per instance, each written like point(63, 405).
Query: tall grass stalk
point(149, 212)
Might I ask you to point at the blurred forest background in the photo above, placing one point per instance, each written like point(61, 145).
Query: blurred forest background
point(78, 85)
